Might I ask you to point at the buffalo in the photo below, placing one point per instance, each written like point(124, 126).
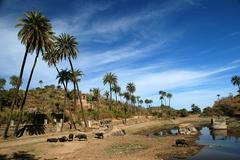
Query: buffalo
point(81, 136)
point(181, 142)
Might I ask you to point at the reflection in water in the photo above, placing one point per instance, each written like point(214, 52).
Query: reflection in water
point(164, 132)
point(220, 145)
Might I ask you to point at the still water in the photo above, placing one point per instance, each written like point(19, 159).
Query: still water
point(220, 145)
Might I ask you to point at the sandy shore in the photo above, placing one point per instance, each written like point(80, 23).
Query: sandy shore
point(132, 146)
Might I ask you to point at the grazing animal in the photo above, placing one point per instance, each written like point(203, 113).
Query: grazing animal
point(70, 137)
point(52, 139)
point(181, 142)
point(63, 139)
point(99, 135)
point(81, 136)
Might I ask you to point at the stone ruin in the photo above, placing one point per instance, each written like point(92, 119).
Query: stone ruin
point(187, 129)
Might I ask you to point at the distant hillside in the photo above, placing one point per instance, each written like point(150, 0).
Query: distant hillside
point(229, 106)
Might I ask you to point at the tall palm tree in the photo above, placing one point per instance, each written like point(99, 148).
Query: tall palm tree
point(236, 82)
point(131, 88)
point(161, 98)
point(127, 96)
point(52, 59)
point(116, 89)
point(64, 77)
point(111, 79)
point(163, 94)
point(218, 95)
point(37, 35)
point(76, 77)
point(169, 96)
point(66, 48)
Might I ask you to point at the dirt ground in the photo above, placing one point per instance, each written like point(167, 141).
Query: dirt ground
point(132, 146)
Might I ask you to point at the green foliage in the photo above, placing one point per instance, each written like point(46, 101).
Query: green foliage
point(2, 83)
point(208, 111)
point(183, 112)
point(195, 109)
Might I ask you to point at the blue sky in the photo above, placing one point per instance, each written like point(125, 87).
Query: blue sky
point(187, 47)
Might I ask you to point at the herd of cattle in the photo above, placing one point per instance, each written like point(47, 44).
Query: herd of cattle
point(80, 137)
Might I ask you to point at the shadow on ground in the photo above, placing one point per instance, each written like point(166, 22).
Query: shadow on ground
point(20, 155)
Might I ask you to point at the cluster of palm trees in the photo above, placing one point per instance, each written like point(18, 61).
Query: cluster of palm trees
point(130, 99)
point(37, 35)
point(164, 96)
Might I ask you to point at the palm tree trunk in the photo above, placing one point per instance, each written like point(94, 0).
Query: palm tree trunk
point(15, 94)
point(110, 104)
point(74, 86)
point(78, 93)
point(169, 102)
point(80, 98)
point(75, 94)
point(65, 104)
point(26, 92)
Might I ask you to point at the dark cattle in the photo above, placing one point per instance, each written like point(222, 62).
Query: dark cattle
point(81, 136)
point(70, 137)
point(63, 139)
point(52, 139)
point(181, 142)
point(99, 135)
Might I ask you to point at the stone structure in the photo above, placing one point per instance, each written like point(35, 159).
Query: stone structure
point(186, 129)
point(218, 124)
point(86, 105)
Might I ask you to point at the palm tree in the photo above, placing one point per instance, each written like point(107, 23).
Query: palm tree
point(51, 58)
point(111, 79)
point(127, 96)
point(66, 48)
point(169, 96)
point(14, 81)
point(76, 77)
point(131, 88)
point(163, 94)
point(37, 35)
point(2, 83)
point(218, 95)
point(161, 98)
point(150, 102)
point(116, 89)
point(40, 82)
point(64, 77)
point(236, 82)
